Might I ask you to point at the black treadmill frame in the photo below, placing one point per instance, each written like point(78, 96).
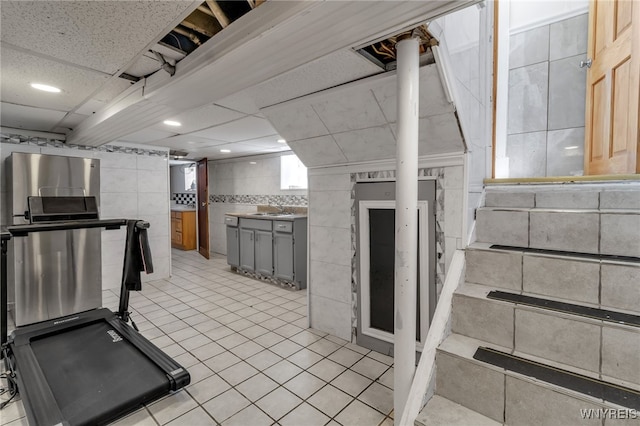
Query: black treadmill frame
point(38, 398)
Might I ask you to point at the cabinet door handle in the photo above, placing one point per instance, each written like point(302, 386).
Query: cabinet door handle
point(281, 226)
point(250, 237)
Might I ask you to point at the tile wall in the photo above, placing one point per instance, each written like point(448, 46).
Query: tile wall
point(545, 124)
point(238, 186)
point(465, 50)
point(134, 183)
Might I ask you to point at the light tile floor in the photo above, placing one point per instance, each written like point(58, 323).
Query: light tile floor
point(251, 357)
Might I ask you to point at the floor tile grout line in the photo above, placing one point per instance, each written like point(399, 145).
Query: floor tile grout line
point(286, 337)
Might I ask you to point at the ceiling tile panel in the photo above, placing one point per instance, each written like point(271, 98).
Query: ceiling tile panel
point(350, 110)
point(240, 102)
point(90, 107)
point(270, 142)
point(432, 97)
point(112, 88)
point(332, 70)
point(240, 130)
point(375, 143)
point(320, 151)
point(187, 142)
point(72, 120)
point(24, 117)
point(102, 35)
point(146, 136)
point(296, 121)
point(207, 116)
point(20, 69)
point(439, 134)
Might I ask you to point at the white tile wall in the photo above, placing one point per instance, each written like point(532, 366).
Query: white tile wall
point(330, 316)
point(331, 209)
point(329, 245)
point(131, 186)
point(330, 253)
point(464, 48)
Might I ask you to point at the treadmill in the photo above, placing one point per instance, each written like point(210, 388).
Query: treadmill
point(91, 367)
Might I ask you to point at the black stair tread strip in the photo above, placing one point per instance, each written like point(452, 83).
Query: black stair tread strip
point(569, 253)
point(569, 308)
point(596, 388)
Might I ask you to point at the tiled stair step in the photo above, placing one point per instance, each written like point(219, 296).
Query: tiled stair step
point(567, 308)
point(605, 283)
point(611, 351)
point(507, 396)
point(440, 411)
point(613, 232)
point(596, 388)
point(607, 196)
point(559, 253)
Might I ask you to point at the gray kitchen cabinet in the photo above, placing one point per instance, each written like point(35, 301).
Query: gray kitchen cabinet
point(269, 247)
point(233, 246)
point(247, 249)
point(290, 251)
point(264, 252)
point(283, 256)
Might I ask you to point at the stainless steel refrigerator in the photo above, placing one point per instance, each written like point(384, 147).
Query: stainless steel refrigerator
point(57, 273)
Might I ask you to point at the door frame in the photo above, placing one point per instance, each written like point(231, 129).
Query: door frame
point(365, 312)
point(202, 184)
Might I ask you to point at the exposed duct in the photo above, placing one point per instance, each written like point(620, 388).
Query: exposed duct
point(171, 69)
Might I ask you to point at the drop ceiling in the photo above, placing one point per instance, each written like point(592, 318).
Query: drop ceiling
point(220, 92)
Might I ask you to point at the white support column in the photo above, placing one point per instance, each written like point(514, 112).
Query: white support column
point(406, 265)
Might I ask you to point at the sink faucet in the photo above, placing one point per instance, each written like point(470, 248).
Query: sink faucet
point(280, 207)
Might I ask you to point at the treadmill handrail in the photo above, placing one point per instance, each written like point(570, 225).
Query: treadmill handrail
point(4, 242)
point(24, 230)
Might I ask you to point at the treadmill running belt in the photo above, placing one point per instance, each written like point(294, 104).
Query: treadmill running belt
point(95, 374)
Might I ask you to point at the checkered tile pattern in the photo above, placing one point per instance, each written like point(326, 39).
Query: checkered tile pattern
point(184, 198)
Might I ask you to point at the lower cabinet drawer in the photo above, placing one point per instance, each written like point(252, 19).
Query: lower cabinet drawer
point(282, 226)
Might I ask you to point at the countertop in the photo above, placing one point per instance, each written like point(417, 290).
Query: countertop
point(182, 208)
point(287, 217)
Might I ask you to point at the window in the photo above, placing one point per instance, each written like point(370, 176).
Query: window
point(293, 174)
point(190, 178)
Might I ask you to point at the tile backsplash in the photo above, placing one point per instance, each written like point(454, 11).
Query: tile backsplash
point(282, 200)
point(184, 197)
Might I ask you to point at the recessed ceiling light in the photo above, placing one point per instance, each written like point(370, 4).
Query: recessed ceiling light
point(172, 123)
point(282, 141)
point(45, 87)
point(226, 151)
point(252, 162)
point(571, 147)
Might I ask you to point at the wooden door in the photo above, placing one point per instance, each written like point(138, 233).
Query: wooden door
point(203, 208)
point(613, 88)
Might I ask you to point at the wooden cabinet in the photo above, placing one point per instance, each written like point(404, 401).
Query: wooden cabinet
point(183, 230)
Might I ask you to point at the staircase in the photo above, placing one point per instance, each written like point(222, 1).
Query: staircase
point(552, 297)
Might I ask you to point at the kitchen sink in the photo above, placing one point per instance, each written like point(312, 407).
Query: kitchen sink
point(270, 214)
